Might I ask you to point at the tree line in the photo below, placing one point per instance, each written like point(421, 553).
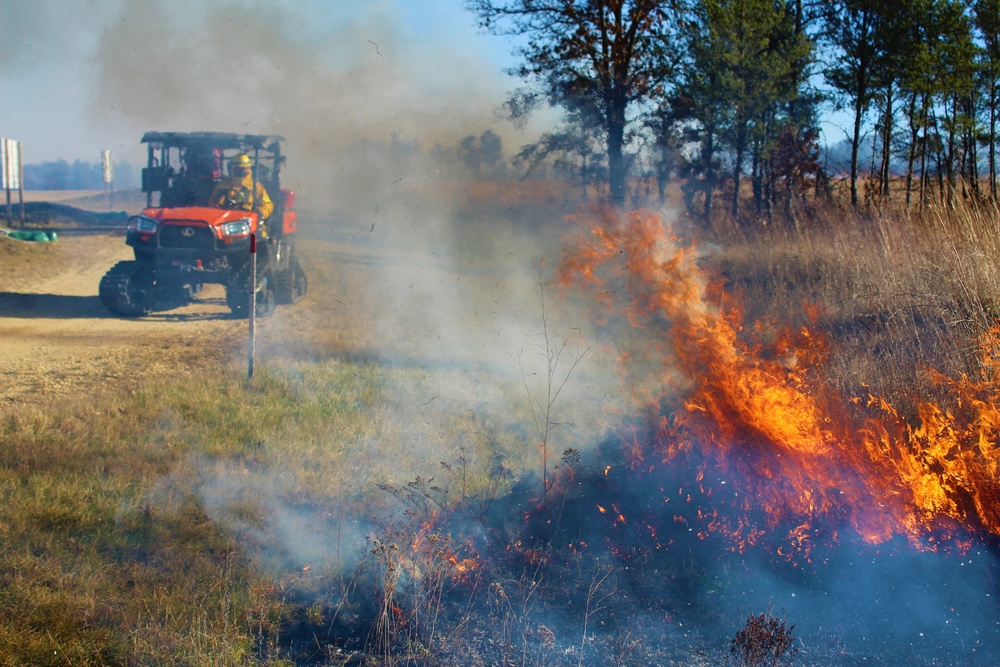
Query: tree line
point(729, 93)
point(78, 175)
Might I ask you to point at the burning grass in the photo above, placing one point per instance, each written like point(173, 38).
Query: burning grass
point(768, 424)
point(898, 292)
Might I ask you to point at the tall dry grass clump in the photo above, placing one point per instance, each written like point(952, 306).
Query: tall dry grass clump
point(898, 291)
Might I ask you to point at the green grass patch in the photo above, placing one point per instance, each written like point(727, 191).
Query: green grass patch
point(153, 526)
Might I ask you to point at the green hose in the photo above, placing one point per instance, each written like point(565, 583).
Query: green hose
point(36, 236)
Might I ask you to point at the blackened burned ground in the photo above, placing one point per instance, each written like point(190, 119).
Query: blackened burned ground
point(558, 582)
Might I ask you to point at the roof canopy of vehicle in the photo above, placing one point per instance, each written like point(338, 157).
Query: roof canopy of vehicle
point(223, 140)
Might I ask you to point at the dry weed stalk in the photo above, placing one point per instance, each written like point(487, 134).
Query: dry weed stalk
point(763, 641)
point(511, 616)
point(596, 600)
point(388, 572)
point(550, 351)
point(421, 562)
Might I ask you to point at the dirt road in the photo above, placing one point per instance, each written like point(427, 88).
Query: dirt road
point(415, 288)
point(57, 339)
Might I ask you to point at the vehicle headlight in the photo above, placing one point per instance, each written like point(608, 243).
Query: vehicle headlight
point(236, 228)
point(141, 224)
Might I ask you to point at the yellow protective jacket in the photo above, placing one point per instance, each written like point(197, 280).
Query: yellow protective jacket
point(235, 192)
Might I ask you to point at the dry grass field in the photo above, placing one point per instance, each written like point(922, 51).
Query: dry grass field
point(375, 494)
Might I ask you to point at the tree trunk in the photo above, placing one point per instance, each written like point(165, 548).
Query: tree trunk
point(940, 161)
point(861, 87)
point(709, 170)
point(886, 144)
point(950, 150)
point(737, 169)
point(925, 124)
point(756, 177)
point(993, 142)
point(855, 146)
point(616, 161)
point(912, 153)
point(770, 192)
point(972, 153)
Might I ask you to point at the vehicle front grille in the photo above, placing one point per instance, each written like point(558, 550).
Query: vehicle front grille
point(186, 236)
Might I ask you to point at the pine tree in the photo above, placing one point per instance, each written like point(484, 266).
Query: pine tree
point(851, 28)
point(957, 63)
point(596, 59)
point(743, 60)
point(987, 22)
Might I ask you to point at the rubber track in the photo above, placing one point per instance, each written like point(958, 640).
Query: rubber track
point(114, 290)
point(237, 297)
point(284, 283)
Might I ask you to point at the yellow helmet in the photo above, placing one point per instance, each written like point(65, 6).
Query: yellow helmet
point(241, 160)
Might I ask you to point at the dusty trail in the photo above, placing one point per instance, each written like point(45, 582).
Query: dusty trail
point(409, 291)
point(58, 340)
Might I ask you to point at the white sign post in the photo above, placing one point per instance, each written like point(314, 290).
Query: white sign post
point(109, 177)
point(11, 164)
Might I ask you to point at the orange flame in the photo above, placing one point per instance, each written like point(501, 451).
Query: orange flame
point(433, 550)
point(764, 418)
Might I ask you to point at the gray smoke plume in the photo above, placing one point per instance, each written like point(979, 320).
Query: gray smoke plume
point(324, 75)
point(368, 107)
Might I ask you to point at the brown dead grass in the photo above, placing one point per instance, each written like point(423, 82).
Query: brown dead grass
point(898, 293)
point(21, 262)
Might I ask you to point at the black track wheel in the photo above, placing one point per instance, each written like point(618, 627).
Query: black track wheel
point(238, 292)
point(292, 284)
point(238, 297)
point(125, 289)
point(299, 282)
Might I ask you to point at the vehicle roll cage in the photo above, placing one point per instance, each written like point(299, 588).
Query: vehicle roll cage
point(165, 151)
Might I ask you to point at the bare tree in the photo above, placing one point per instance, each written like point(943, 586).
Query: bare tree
point(597, 59)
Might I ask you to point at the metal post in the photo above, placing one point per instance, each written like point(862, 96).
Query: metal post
point(107, 170)
point(8, 175)
point(149, 165)
point(253, 303)
point(20, 181)
point(20, 195)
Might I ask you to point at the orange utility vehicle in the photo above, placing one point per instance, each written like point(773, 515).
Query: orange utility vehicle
point(181, 241)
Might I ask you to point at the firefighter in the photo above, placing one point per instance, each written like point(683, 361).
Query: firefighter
point(237, 191)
